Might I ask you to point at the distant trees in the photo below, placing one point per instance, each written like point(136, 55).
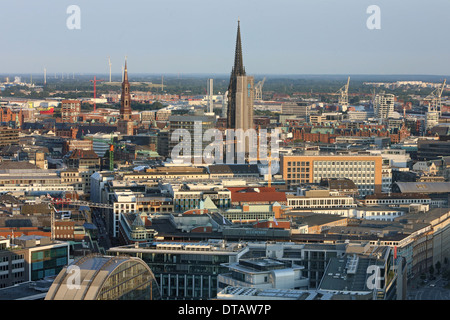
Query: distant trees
point(147, 106)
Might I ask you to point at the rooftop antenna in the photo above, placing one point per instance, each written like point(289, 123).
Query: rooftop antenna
point(45, 76)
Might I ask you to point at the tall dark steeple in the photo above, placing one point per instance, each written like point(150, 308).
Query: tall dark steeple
point(238, 69)
point(240, 92)
point(125, 99)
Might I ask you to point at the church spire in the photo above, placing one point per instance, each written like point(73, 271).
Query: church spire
point(238, 68)
point(125, 100)
point(125, 72)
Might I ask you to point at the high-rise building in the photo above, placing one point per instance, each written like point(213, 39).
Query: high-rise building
point(240, 92)
point(383, 105)
point(70, 111)
point(125, 125)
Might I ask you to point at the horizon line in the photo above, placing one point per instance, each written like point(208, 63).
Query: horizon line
point(50, 76)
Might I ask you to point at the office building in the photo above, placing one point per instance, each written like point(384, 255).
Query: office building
point(354, 273)
point(70, 111)
point(313, 257)
point(323, 200)
point(299, 109)
point(263, 273)
point(383, 105)
point(185, 271)
point(186, 199)
point(32, 258)
point(12, 265)
point(364, 171)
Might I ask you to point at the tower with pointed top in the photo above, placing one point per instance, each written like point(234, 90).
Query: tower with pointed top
point(125, 98)
point(240, 92)
point(125, 124)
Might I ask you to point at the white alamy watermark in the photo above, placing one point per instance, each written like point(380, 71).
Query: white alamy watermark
point(73, 22)
point(234, 146)
point(74, 279)
point(374, 281)
point(374, 20)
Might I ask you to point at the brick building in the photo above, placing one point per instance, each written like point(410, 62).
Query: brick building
point(70, 111)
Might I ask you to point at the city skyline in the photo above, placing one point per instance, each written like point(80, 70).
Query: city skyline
point(174, 37)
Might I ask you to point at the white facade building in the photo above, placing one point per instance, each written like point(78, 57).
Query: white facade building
point(383, 105)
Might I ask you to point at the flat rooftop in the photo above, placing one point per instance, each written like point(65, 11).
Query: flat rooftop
point(34, 290)
point(234, 293)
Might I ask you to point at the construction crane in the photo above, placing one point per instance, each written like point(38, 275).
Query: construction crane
point(258, 89)
point(435, 99)
point(343, 96)
point(95, 90)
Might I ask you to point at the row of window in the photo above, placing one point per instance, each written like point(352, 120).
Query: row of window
point(12, 257)
point(298, 169)
point(298, 163)
point(345, 163)
point(397, 201)
point(340, 171)
point(124, 206)
point(67, 236)
point(298, 176)
point(64, 227)
point(296, 202)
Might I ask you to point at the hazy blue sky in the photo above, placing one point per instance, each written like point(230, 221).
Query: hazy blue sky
point(198, 36)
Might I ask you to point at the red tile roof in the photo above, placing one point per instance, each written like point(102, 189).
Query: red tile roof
point(259, 195)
